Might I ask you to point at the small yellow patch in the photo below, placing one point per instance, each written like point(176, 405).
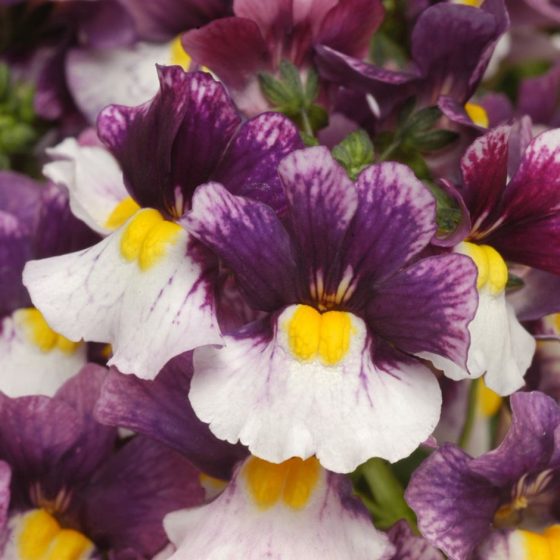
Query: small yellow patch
point(492, 269)
point(327, 335)
point(488, 401)
point(179, 56)
point(542, 546)
point(147, 237)
point(473, 3)
point(124, 210)
point(211, 484)
point(40, 333)
point(42, 538)
point(293, 481)
point(478, 115)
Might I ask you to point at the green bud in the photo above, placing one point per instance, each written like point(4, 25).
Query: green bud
point(434, 140)
point(354, 153)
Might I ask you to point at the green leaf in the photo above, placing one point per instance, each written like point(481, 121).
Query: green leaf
point(354, 153)
point(514, 282)
point(423, 120)
point(448, 213)
point(434, 140)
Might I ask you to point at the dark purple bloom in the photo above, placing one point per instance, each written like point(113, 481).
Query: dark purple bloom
point(451, 46)
point(468, 507)
point(338, 277)
point(260, 36)
point(149, 287)
point(66, 470)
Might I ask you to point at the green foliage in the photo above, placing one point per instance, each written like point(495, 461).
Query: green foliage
point(295, 99)
point(354, 153)
point(448, 213)
point(20, 129)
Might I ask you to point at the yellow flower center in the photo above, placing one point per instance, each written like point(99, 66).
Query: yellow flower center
point(312, 334)
point(147, 237)
point(477, 114)
point(42, 538)
point(40, 333)
point(124, 210)
point(542, 546)
point(488, 401)
point(179, 57)
point(492, 269)
point(292, 481)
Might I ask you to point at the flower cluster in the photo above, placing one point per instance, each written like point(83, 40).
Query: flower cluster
point(280, 279)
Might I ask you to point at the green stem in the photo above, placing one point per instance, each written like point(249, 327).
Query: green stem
point(471, 413)
point(307, 128)
point(388, 493)
point(388, 151)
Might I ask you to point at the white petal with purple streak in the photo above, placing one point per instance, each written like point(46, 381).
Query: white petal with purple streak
point(148, 315)
point(255, 391)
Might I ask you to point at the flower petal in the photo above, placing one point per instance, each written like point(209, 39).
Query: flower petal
point(99, 77)
point(128, 497)
point(250, 239)
point(249, 166)
point(395, 220)
point(322, 202)
point(328, 521)
point(160, 409)
point(530, 229)
point(454, 506)
point(28, 369)
point(255, 391)
point(173, 142)
point(93, 179)
point(427, 307)
point(148, 314)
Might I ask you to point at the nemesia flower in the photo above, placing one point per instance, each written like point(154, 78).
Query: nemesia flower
point(503, 504)
point(35, 221)
point(517, 220)
point(328, 370)
point(72, 495)
point(148, 288)
point(295, 509)
point(261, 36)
point(451, 46)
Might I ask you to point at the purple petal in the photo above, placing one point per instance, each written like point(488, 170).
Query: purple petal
point(409, 546)
point(322, 202)
point(529, 444)
point(5, 494)
point(498, 107)
point(249, 165)
point(538, 97)
point(454, 506)
point(233, 48)
point(530, 230)
point(35, 434)
point(395, 220)
point(452, 44)
point(427, 307)
point(176, 140)
point(96, 440)
point(484, 169)
point(160, 409)
point(250, 239)
point(163, 20)
point(539, 296)
point(349, 26)
point(127, 499)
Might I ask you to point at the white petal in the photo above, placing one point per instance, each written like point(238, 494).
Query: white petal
point(124, 75)
point(93, 179)
point(25, 369)
point(500, 347)
point(256, 392)
point(329, 527)
point(148, 316)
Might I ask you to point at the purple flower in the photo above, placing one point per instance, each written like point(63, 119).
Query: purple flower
point(260, 36)
point(327, 371)
point(71, 485)
point(148, 288)
point(501, 502)
point(451, 46)
point(35, 222)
